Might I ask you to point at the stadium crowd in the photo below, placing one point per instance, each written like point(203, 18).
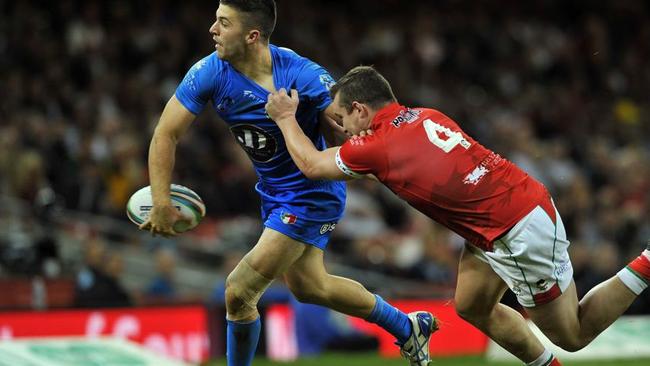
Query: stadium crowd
point(558, 87)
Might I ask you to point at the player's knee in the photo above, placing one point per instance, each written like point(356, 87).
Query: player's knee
point(235, 298)
point(567, 343)
point(570, 345)
point(465, 312)
point(244, 287)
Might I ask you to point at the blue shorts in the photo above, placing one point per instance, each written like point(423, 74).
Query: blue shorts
point(308, 215)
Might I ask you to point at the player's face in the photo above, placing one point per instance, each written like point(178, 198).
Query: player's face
point(355, 121)
point(228, 33)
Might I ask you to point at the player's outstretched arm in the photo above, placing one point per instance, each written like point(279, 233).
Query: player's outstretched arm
point(313, 163)
point(173, 123)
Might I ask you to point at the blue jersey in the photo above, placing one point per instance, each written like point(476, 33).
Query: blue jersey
point(303, 209)
point(240, 101)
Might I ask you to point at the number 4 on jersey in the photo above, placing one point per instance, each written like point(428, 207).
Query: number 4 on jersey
point(443, 137)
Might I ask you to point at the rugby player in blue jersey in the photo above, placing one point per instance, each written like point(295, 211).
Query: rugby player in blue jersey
point(299, 214)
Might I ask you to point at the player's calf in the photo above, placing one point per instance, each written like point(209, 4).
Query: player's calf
point(244, 287)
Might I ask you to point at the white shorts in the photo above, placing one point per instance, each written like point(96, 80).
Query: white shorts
point(532, 258)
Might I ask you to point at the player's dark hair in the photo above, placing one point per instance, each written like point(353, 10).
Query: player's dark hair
point(365, 85)
point(260, 14)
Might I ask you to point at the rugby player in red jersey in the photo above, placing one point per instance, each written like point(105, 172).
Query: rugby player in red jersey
point(515, 236)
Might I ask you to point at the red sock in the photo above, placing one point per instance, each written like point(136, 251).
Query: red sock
point(641, 266)
point(555, 362)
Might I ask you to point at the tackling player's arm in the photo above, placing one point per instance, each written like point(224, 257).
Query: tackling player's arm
point(313, 163)
point(173, 123)
point(313, 83)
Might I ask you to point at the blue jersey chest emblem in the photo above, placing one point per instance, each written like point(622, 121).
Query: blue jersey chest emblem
point(260, 145)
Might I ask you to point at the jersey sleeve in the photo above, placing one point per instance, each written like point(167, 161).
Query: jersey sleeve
point(199, 84)
point(314, 82)
point(361, 155)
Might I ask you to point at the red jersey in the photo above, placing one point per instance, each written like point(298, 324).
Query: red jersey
point(427, 160)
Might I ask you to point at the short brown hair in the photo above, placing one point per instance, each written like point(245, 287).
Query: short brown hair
point(363, 84)
point(261, 14)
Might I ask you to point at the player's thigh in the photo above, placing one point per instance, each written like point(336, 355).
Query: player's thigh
point(533, 259)
point(274, 253)
point(558, 319)
point(478, 288)
point(308, 270)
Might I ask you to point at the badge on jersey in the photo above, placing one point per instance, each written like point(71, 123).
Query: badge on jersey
point(288, 218)
point(327, 81)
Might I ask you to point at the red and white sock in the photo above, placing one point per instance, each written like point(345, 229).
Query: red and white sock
point(636, 275)
point(546, 359)
point(646, 253)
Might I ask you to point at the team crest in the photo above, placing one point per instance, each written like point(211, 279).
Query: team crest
point(288, 218)
point(475, 176)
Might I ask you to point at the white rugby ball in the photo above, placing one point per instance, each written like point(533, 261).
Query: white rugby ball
point(185, 200)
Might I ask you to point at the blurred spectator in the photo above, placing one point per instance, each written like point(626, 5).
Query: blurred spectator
point(47, 254)
point(98, 283)
point(162, 287)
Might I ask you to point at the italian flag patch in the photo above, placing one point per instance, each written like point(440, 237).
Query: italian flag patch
point(288, 218)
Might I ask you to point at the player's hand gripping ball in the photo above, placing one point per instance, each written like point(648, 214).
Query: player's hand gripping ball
point(188, 203)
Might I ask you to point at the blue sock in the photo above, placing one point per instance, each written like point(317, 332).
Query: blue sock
point(390, 318)
point(241, 340)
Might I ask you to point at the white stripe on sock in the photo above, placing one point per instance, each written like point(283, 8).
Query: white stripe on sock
point(542, 360)
point(646, 253)
point(632, 281)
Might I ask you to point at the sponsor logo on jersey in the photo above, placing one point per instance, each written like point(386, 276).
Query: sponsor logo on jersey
point(288, 218)
point(327, 227)
point(259, 144)
point(406, 116)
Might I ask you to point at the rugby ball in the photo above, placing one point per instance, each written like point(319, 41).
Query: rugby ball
point(185, 200)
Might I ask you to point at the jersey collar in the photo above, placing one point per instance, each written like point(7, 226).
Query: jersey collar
point(386, 114)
